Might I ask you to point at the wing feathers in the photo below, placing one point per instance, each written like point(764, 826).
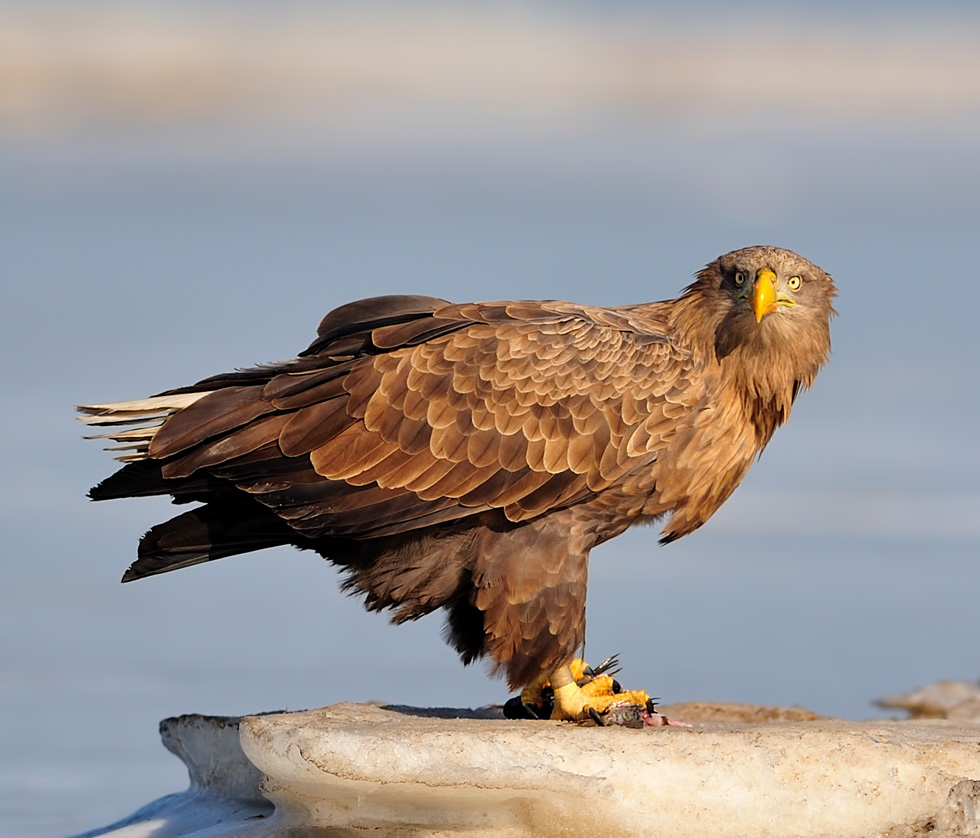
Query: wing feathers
point(219, 450)
point(219, 412)
point(349, 454)
point(396, 415)
point(291, 391)
point(314, 426)
point(361, 317)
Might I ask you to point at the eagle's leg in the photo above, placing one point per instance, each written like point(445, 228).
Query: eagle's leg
point(528, 614)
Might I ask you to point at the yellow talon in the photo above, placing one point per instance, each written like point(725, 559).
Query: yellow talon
point(578, 668)
point(577, 695)
point(573, 702)
point(640, 697)
point(600, 685)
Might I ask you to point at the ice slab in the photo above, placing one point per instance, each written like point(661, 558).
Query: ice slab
point(352, 769)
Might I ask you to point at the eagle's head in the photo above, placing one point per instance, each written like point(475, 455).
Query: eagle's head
point(773, 305)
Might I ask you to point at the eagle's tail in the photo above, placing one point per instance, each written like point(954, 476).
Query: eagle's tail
point(228, 524)
point(134, 423)
point(222, 527)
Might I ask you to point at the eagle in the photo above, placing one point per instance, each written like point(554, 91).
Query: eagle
point(468, 457)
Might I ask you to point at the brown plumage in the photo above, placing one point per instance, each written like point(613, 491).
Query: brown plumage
point(468, 457)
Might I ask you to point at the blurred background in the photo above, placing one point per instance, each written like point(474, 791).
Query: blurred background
point(187, 187)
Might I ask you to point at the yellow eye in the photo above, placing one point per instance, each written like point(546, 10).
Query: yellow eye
point(739, 278)
point(794, 283)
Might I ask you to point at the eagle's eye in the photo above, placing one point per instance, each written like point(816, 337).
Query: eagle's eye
point(794, 283)
point(739, 279)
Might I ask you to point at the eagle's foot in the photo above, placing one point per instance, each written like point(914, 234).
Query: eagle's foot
point(573, 703)
point(581, 693)
point(598, 701)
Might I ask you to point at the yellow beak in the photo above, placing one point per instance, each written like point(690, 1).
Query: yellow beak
point(763, 294)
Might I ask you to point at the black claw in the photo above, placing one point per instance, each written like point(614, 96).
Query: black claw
point(610, 666)
point(596, 717)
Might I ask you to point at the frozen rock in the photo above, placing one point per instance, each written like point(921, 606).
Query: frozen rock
point(352, 769)
point(390, 769)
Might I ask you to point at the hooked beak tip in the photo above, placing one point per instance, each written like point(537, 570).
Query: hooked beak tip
point(763, 294)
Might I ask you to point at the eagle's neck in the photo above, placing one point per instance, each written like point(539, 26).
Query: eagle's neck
point(761, 366)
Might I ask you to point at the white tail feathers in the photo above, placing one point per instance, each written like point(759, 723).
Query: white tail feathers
point(143, 416)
